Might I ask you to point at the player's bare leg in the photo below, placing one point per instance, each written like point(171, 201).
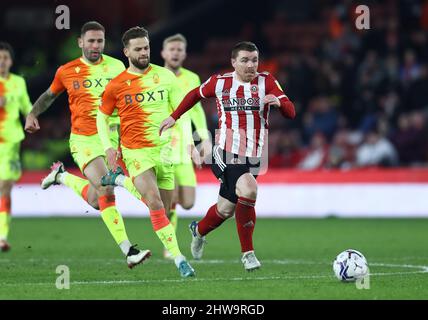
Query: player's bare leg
point(146, 185)
point(5, 214)
point(215, 216)
point(245, 215)
point(186, 197)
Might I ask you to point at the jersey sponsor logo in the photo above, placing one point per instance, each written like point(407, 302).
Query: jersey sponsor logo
point(11, 98)
point(240, 104)
point(89, 83)
point(149, 96)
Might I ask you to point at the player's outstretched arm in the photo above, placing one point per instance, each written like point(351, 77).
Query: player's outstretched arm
point(40, 106)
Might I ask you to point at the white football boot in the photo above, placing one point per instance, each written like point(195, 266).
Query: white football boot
point(197, 245)
point(136, 256)
point(250, 261)
point(51, 178)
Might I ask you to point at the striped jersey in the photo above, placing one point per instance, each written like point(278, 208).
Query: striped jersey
point(242, 117)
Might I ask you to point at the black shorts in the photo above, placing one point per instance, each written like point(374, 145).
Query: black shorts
point(228, 167)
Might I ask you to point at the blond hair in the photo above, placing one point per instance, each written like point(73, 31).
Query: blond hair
point(175, 37)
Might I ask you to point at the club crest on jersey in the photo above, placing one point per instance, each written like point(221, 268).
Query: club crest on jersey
point(226, 92)
point(128, 82)
point(254, 88)
point(77, 69)
point(156, 78)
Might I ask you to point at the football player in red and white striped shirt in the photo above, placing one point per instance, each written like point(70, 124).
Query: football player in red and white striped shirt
point(243, 98)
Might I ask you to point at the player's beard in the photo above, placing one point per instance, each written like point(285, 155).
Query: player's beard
point(92, 56)
point(140, 65)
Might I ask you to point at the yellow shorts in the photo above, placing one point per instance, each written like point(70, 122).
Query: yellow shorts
point(185, 175)
point(84, 149)
point(138, 161)
point(10, 164)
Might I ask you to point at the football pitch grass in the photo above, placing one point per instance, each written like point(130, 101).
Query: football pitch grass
point(296, 257)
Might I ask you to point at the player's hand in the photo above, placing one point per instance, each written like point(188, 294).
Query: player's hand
point(206, 148)
point(31, 123)
point(166, 124)
point(271, 100)
point(112, 157)
point(196, 158)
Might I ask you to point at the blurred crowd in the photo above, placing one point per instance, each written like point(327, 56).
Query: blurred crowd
point(361, 95)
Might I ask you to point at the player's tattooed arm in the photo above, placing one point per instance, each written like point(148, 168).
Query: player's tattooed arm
point(43, 102)
point(40, 106)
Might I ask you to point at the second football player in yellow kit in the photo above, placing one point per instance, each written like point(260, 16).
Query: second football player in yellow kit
point(143, 95)
point(14, 101)
point(184, 150)
point(84, 79)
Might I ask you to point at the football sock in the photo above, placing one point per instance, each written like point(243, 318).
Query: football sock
point(5, 217)
point(165, 231)
point(173, 218)
point(78, 185)
point(112, 218)
point(128, 184)
point(245, 216)
point(125, 246)
point(211, 221)
point(178, 259)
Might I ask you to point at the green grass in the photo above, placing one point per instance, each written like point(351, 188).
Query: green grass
point(296, 256)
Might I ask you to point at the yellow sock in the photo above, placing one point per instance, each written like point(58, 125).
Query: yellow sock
point(5, 219)
point(112, 218)
point(5, 216)
point(173, 218)
point(129, 185)
point(77, 184)
point(165, 231)
point(169, 240)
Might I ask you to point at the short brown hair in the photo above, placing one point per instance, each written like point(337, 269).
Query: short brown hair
point(7, 47)
point(134, 33)
point(175, 37)
point(92, 25)
point(243, 46)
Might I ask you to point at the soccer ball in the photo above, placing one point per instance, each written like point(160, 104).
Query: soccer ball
point(350, 265)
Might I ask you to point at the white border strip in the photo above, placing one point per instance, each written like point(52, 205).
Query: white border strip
point(274, 200)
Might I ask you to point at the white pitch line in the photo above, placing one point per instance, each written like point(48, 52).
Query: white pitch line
point(422, 269)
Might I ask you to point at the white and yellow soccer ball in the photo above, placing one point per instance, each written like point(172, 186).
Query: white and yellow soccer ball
point(350, 265)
